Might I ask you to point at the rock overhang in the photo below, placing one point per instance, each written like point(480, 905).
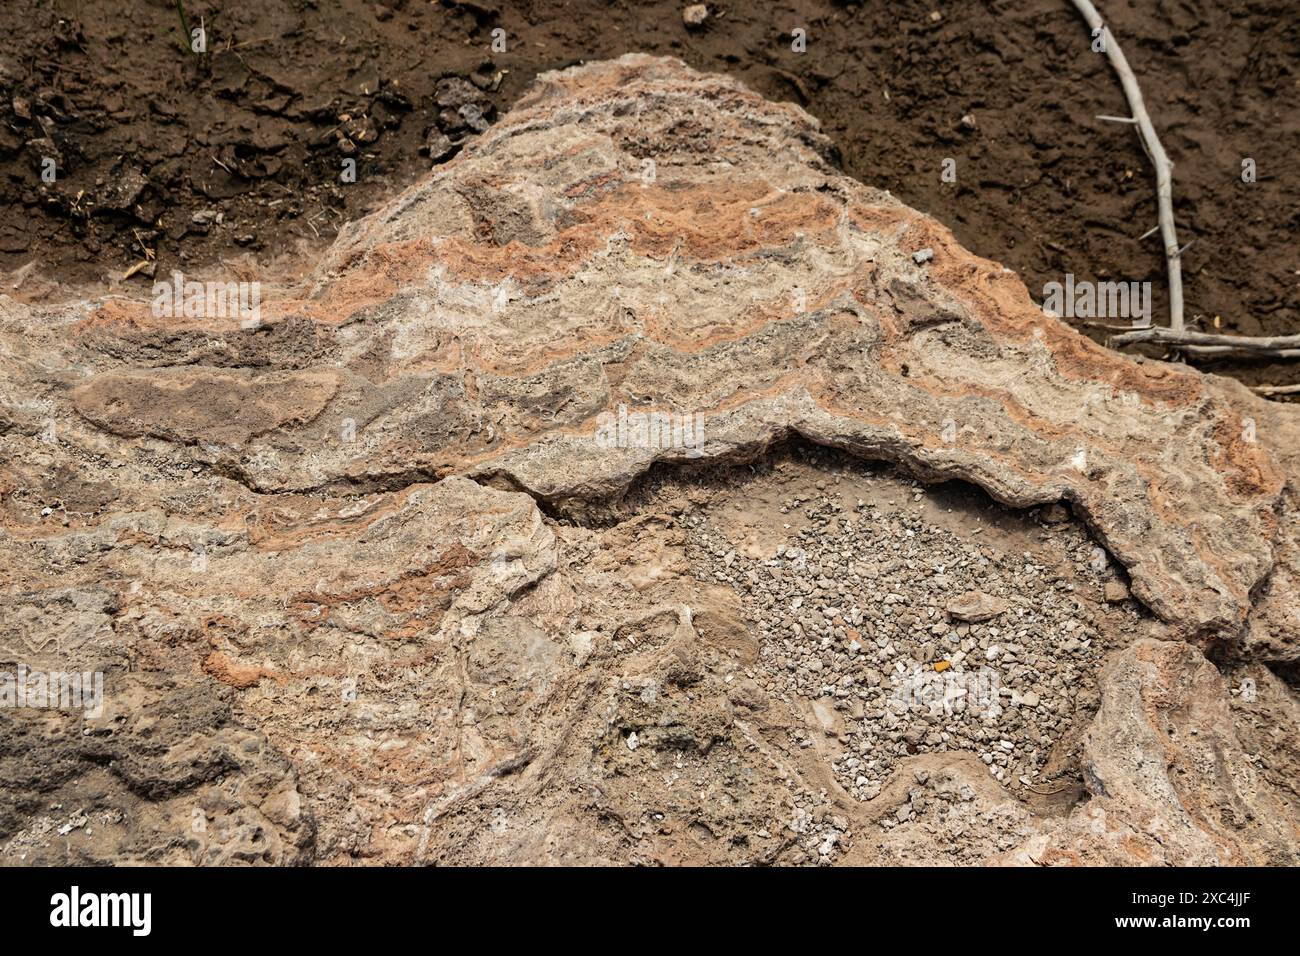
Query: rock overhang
point(639, 235)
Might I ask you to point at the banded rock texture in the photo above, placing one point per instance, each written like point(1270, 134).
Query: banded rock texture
point(640, 235)
point(323, 534)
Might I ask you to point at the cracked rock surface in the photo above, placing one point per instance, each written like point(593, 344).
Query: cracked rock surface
point(368, 582)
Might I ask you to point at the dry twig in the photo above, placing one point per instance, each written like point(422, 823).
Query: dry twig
point(1278, 389)
point(1159, 159)
point(1197, 343)
point(1268, 344)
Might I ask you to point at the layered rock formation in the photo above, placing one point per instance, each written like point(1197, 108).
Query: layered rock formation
point(321, 561)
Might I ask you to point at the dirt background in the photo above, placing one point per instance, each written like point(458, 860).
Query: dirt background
point(171, 160)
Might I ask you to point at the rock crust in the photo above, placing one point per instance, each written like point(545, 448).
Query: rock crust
point(330, 527)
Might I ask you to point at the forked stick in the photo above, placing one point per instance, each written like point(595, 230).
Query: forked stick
point(1196, 343)
point(1237, 343)
point(1159, 159)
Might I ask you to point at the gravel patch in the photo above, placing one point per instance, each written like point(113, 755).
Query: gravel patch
point(859, 618)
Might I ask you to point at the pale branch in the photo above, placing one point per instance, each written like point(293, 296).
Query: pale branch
point(1207, 343)
point(1194, 343)
point(1159, 159)
point(1226, 351)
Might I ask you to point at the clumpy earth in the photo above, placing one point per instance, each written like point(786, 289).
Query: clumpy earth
point(941, 582)
point(169, 159)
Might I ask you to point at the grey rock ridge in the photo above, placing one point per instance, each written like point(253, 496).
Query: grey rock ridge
point(392, 574)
